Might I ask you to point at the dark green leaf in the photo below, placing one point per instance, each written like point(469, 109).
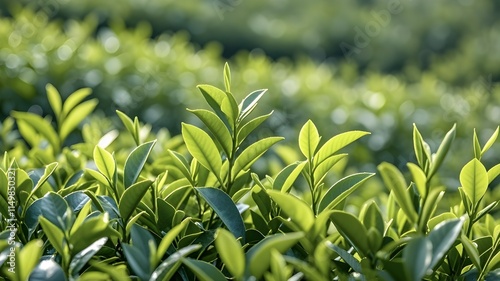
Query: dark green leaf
point(225, 209)
point(417, 256)
point(135, 162)
point(443, 237)
point(352, 230)
point(169, 267)
point(81, 258)
point(47, 270)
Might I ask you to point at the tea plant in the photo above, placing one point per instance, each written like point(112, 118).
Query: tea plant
point(136, 205)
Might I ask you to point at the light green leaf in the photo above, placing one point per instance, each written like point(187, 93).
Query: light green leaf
point(352, 230)
point(73, 119)
point(477, 146)
point(203, 270)
point(417, 256)
point(493, 173)
point(169, 267)
point(131, 198)
point(298, 211)
point(40, 125)
point(471, 251)
point(335, 144)
point(225, 208)
point(202, 147)
point(308, 139)
point(167, 240)
point(74, 99)
point(490, 141)
point(252, 153)
point(443, 237)
point(421, 148)
point(49, 170)
point(216, 126)
point(442, 151)
point(135, 162)
point(287, 176)
point(55, 236)
point(105, 162)
point(341, 189)
point(214, 97)
point(259, 256)
point(227, 77)
point(348, 258)
point(54, 99)
point(29, 257)
point(91, 230)
point(230, 109)
point(251, 125)
point(395, 181)
point(474, 180)
point(249, 103)
point(230, 252)
point(129, 125)
point(419, 178)
point(321, 170)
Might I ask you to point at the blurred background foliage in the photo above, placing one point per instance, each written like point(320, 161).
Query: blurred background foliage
point(372, 65)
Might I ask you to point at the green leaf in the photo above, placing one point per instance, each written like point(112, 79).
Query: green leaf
point(308, 139)
point(105, 162)
point(352, 230)
point(137, 261)
point(395, 181)
point(29, 257)
point(202, 147)
point(471, 251)
point(493, 173)
point(230, 252)
point(167, 240)
point(52, 207)
point(225, 208)
point(135, 162)
point(73, 119)
point(490, 141)
point(443, 237)
point(227, 77)
point(442, 151)
point(336, 143)
point(54, 99)
point(421, 148)
point(214, 97)
point(74, 99)
point(419, 178)
point(348, 258)
point(203, 270)
point(417, 256)
point(373, 218)
point(169, 267)
point(252, 153)
point(131, 198)
point(81, 258)
point(259, 256)
point(55, 236)
point(249, 127)
point(477, 146)
point(287, 176)
point(49, 170)
point(129, 125)
point(341, 189)
point(474, 180)
point(40, 125)
point(321, 170)
point(91, 230)
point(249, 103)
point(298, 211)
point(216, 126)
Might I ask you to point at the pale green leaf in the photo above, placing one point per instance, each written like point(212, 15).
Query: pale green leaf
point(249, 103)
point(202, 147)
point(298, 211)
point(74, 99)
point(105, 162)
point(54, 99)
point(308, 139)
point(217, 128)
point(230, 252)
point(252, 153)
point(419, 178)
point(442, 151)
point(73, 119)
point(490, 141)
point(336, 143)
point(474, 180)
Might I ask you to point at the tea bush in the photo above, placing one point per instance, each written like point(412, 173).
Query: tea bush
point(131, 204)
point(154, 80)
